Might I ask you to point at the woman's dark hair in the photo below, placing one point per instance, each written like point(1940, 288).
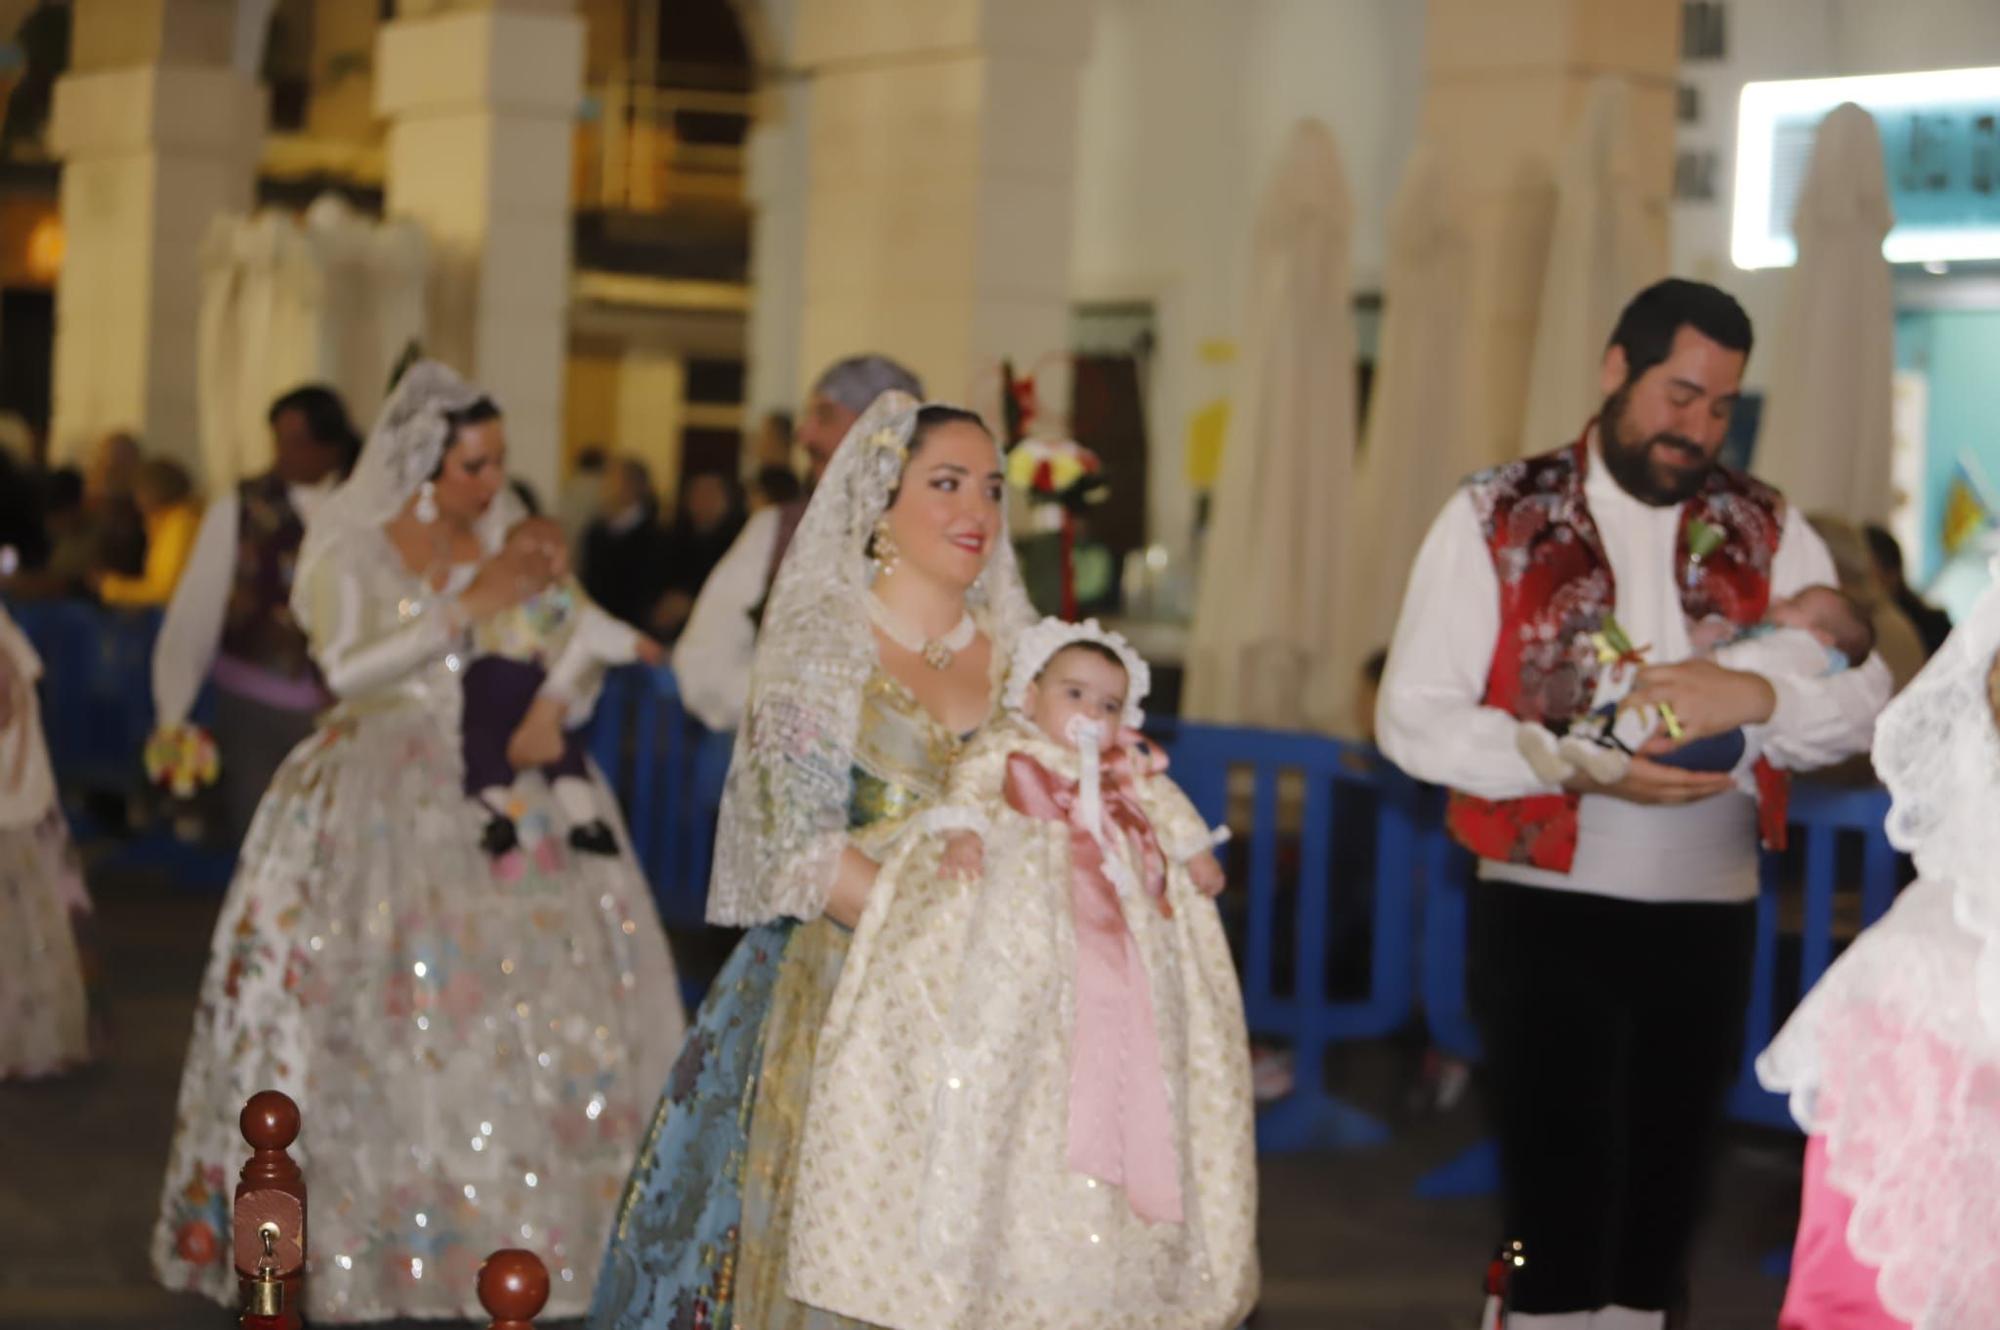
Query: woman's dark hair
point(326, 420)
point(526, 494)
point(1097, 649)
point(931, 417)
point(482, 410)
point(1647, 327)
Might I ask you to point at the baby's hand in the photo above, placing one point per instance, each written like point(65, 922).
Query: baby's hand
point(964, 855)
point(1206, 870)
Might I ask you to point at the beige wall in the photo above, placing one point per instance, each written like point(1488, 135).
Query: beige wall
point(940, 181)
point(1505, 80)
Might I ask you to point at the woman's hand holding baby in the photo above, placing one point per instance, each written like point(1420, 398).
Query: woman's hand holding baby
point(964, 855)
point(1206, 870)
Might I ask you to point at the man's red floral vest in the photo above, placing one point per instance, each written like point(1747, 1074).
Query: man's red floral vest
point(1556, 588)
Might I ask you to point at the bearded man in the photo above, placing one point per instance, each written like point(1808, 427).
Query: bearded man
point(1612, 930)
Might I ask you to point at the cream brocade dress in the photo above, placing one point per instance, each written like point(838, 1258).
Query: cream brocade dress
point(933, 1185)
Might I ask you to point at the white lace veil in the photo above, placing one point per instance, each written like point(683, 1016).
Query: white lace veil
point(785, 803)
point(1937, 748)
point(402, 452)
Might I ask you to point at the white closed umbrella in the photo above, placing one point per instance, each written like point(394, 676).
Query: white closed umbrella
point(1268, 614)
point(332, 298)
point(1420, 439)
point(1604, 248)
point(1827, 433)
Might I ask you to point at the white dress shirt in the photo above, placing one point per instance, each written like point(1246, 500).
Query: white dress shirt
point(712, 657)
point(1431, 722)
point(191, 634)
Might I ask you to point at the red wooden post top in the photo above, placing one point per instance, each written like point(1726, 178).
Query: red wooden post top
point(513, 1286)
point(269, 1238)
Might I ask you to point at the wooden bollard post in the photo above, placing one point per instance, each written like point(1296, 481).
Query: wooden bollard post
point(513, 1287)
point(269, 1236)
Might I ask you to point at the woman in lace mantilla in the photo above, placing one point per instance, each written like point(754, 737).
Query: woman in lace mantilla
point(472, 1054)
point(882, 648)
point(1892, 1061)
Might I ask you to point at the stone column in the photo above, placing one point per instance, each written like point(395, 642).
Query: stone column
point(1505, 80)
point(776, 172)
point(481, 99)
point(158, 134)
point(939, 197)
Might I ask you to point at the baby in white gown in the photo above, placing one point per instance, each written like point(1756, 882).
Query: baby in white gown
point(1031, 1103)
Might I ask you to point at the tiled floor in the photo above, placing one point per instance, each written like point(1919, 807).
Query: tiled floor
point(1345, 1243)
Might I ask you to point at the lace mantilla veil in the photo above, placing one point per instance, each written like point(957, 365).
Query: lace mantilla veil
point(785, 802)
point(1894, 1057)
point(402, 452)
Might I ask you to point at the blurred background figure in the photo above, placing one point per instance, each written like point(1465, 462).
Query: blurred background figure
point(709, 519)
point(576, 504)
point(164, 495)
point(1896, 638)
point(117, 531)
point(68, 541)
point(1933, 625)
point(624, 563)
point(24, 541)
point(230, 621)
point(773, 487)
point(774, 441)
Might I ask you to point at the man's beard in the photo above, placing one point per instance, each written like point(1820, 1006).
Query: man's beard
point(1631, 464)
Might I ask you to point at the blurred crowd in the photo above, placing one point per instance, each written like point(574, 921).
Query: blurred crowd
point(120, 529)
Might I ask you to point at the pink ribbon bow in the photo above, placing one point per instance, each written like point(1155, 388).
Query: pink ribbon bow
point(1120, 1127)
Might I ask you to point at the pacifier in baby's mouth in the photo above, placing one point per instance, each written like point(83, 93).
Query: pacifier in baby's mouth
point(1088, 736)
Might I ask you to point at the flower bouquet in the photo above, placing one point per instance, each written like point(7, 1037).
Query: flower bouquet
point(1057, 478)
point(181, 759)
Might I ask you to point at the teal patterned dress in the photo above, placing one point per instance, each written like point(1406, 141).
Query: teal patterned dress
point(701, 1231)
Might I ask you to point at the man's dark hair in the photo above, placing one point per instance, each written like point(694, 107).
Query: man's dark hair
point(590, 459)
point(326, 420)
point(1647, 327)
point(1887, 552)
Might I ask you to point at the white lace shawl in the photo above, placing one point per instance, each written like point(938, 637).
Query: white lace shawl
point(785, 802)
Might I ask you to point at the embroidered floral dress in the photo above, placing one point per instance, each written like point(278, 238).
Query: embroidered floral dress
point(43, 1002)
point(988, 1145)
point(473, 1058)
point(702, 1231)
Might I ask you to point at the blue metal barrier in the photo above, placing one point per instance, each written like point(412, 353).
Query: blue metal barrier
point(1311, 1117)
point(97, 692)
point(667, 771)
point(1820, 817)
